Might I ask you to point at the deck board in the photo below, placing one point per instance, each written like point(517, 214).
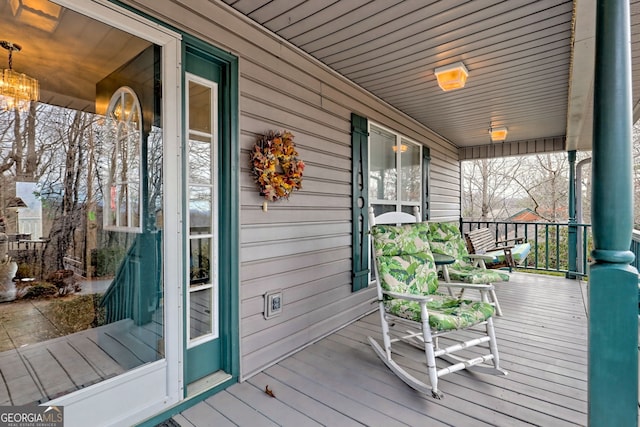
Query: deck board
point(204, 414)
point(306, 405)
point(339, 380)
point(418, 409)
point(273, 408)
point(41, 371)
point(81, 373)
point(105, 365)
point(237, 411)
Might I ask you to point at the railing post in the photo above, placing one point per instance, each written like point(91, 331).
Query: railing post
point(573, 228)
point(613, 283)
point(582, 237)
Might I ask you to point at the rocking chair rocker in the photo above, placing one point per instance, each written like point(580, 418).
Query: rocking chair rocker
point(407, 284)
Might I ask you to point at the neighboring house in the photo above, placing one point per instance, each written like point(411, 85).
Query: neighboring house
point(525, 215)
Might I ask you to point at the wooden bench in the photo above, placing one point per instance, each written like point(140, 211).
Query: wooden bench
point(505, 253)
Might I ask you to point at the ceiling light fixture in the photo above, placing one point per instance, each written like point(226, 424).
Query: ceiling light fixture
point(41, 14)
point(17, 90)
point(498, 134)
point(452, 76)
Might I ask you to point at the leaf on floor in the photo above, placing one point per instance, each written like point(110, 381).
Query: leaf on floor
point(269, 391)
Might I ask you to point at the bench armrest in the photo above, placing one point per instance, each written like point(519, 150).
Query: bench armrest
point(483, 257)
point(515, 240)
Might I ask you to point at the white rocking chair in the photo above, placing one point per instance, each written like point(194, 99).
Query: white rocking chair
point(407, 284)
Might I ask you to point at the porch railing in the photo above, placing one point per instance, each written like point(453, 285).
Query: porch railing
point(558, 247)
point(136, 289)
point(635, 248)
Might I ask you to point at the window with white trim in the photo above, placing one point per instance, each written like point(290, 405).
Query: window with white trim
point(395, 171)
point(122, 196)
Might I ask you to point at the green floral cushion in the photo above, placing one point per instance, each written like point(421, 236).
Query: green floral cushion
point(445, 238)
point(400, 239)
point(475, 275)
point(445, 313)
point(404, 260)
point(408, 274)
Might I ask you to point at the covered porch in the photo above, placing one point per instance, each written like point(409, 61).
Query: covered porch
point(340, 381)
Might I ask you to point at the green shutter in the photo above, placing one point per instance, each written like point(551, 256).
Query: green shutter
point(360, 201)
point(426, 165)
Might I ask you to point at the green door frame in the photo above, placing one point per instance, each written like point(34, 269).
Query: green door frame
point(228, 202)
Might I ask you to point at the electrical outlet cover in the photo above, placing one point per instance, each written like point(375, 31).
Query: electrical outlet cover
point(272, 303)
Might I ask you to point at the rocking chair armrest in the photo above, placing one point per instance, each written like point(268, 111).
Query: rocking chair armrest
point(481, 286)
point(409, 297)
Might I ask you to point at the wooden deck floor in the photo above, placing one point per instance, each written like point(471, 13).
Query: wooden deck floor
point(38, 372)
point(339, 381)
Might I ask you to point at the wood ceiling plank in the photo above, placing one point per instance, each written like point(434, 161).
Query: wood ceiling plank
point(295, 32)
point(357, 31)
point(470, 58)
point(273, 9)
point(432, 37)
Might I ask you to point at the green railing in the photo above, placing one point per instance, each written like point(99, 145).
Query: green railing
point(136, 289)
point(558, 247)
point(635, 248)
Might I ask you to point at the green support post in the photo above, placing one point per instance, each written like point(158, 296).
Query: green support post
point(613, 283)
point(573, 228)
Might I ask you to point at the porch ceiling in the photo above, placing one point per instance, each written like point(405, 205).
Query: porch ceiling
point(519, 55)
point(530, 62)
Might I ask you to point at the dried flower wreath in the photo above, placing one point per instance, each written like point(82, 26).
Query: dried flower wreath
point(275, 165)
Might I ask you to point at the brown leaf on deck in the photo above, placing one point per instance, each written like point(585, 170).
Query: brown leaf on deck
point(269, 391)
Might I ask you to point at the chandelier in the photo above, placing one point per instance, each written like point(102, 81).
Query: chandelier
point(17, 90)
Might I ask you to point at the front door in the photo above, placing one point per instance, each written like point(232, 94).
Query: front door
point(203, 294)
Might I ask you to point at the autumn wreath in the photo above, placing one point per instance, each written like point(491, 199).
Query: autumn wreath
point(275, 165)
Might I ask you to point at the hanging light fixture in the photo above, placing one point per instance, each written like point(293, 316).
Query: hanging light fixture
point(452, 76)
point(498, 134)
point(17, 90)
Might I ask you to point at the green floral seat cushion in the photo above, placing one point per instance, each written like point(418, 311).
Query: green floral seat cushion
point(445, 313)
point(475, 275)
point(405, 262)
point(445, 238)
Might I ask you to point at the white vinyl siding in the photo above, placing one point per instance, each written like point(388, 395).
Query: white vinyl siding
point(301, 245)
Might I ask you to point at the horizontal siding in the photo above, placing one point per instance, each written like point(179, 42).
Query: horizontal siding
point(301, 245)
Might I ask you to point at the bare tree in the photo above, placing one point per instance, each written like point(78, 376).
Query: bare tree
point(65, 187)
point(497, 188)
point(487, 188)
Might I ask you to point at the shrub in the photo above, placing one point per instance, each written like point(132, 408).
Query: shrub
point(106, 260)
point(73, 314)
point(40, 290)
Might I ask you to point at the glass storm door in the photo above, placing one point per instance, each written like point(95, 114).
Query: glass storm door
point(202, 319)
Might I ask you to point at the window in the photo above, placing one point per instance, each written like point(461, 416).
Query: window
point(395, 171)
point(389, 173)
point(124, 127)
point(202, 112)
